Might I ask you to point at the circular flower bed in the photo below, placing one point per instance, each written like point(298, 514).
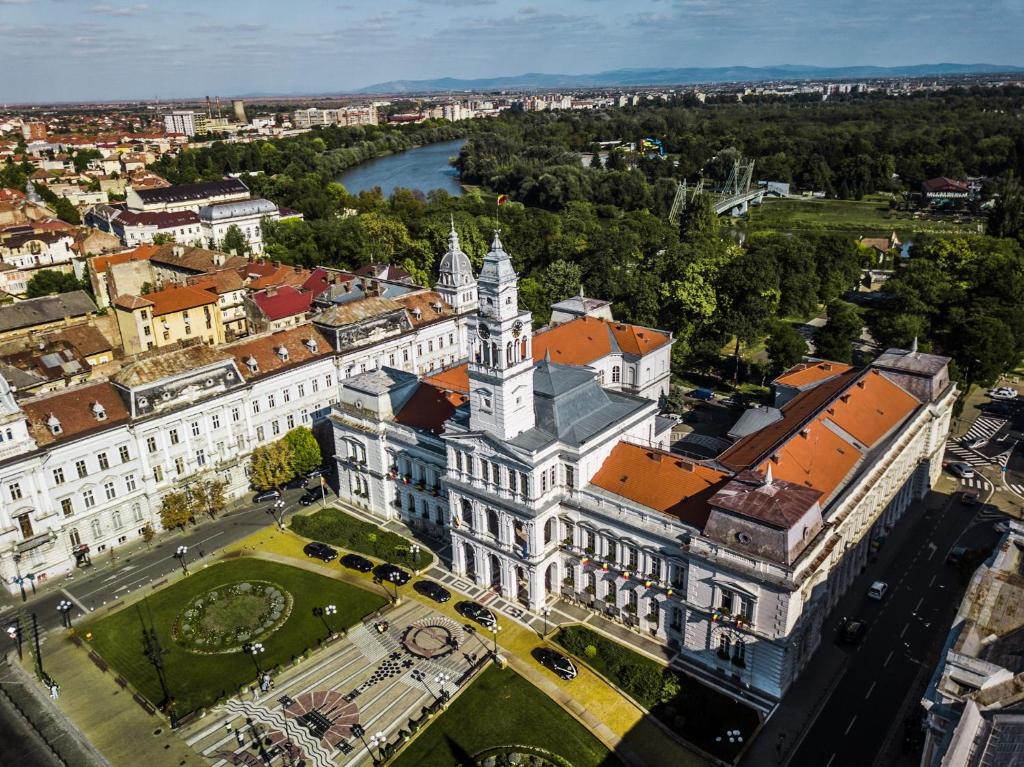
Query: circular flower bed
point(225, 618)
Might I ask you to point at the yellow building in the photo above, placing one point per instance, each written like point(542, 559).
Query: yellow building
point(165, 317)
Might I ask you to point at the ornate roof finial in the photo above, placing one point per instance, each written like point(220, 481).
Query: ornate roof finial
point(768, 479)
point(913, 346)
point(547, 355)
point(496, 242)
point(453, 238)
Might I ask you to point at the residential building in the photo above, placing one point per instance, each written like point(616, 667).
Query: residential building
point(278, 308)
point(135, 228)
point(231, 292)
point(166, 317)
point(974, 703)
point(33, 131)
point(186, 122)
point(34, 315)
point(548, 485)
point(28, 247)
point(247, 215)
point(945, 190)
point(314, 117)
point(187, 196)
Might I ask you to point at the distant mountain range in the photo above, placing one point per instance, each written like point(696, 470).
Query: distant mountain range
point(685, 76)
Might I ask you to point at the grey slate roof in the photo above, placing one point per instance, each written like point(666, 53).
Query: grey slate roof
point(754, 419)
point(911, 362)
point(198, 191)
point(571, 407)
point(38, 311)
point(223, 210)
point(497, 268)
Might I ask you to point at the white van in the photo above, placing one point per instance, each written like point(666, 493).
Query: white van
point(878, 589)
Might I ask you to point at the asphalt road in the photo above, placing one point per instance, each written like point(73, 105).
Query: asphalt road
point(96, 586)
point(904, 629)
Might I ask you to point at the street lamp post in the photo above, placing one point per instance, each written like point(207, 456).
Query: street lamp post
point(378, 741)
point(415, 551)
point(64, 608)
point(360, 732)
point(494, 631)
point(155, 654)
point(181, 555)
point(442, 679)
point(545, 612)
point(17, 575)
point(322, 613)
point(254, 649)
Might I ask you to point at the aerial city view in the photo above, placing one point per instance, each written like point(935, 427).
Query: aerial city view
point(464, 384)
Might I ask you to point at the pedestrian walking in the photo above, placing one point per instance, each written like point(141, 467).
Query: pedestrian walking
point(255, 693)
point(265, 683)
point(54, 691)
point(240, 737)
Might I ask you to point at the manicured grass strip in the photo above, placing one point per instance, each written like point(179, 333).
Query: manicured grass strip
point(197, 680)
point(336, 527)
point(697, 713)
point(501, 708)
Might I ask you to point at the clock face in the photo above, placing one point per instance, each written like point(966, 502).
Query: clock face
point(484, 331)
point(517, 328)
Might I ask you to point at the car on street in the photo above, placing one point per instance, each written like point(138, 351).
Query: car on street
point(1002, 527)
point(1000, 408)
point(309, 497)
point(955, 555)
point(1003, 393)
point(878, 589)
point(969, 498)
point(296, 482)
point(477, 612)
point(703, 394)
point(961, 469)
point(392, 573)
point(356, 562)
point(320, 551)
point(974, 444)
point(555, 661)
point(434, 591)
point(851, 630)
point(266, 495)
point(319, 471)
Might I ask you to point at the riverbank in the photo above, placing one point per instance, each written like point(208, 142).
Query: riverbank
point(424, 168)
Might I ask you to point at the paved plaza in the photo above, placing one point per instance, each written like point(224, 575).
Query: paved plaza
point(378, 680)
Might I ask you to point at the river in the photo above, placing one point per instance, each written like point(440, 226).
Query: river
point(425, 168)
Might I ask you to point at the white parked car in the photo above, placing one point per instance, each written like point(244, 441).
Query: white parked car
point(962, 469)
point(1003, 392)
point(878, 589)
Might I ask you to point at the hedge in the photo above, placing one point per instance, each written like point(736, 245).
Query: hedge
point(642, 678)
point(340, 529)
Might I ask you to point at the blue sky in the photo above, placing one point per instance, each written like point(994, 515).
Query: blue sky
point(81, 49)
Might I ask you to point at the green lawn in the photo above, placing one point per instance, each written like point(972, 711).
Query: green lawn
point(502, 708)
point(197, 680)
point(334, 526)
point(696, 712)
point(870, 218)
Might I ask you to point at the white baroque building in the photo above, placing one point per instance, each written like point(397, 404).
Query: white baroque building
point(549, 485)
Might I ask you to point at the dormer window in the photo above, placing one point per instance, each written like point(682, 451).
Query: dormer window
point(417, 313)
point(99, 412)
point(282, 352)
point(252, 364)
point(53, 423)
point(311, 345)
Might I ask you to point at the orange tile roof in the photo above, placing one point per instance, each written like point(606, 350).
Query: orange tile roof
point(432, 307)
point(264, 349)
point(661, 481)
point(141, 253)
point(870, 408)
point(806, 373)
point(585, 339)
point(178, 298)
point(454, 379)
point(820, 460)
point(429, 407)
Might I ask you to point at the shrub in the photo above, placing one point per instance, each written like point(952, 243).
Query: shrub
point(590, 651)
point(336, 527)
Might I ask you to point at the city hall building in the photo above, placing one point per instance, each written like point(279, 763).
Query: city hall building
point(543, 462)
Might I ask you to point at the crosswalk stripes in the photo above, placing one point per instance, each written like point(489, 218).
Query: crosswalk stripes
point(984, 427)
point(1018, 489)
point(965, 454)
point(976, 483)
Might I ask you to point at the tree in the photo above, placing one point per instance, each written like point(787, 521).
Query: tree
point(1006, 218)
point(82, 158)
point(271, 465)
point(562, 280)
point(66, 211)
point(47, 281)
point(785, 346)
point(234, 240)
point(207, 495)
point(304, 449)
point(698, 220)
point(748, 298)
point(835, 340)
point(176, 510)
point(163, 238)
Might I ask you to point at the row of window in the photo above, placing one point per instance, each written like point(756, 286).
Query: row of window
point(493, 473)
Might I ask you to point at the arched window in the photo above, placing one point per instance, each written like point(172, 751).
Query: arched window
point(632, 375)
point(137, 512)
point(508, 354)
point(549, 530)
point(492, 522)
point(494, 354)
point(616, 374)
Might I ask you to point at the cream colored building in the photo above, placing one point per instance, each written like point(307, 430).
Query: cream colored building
point(165, 317)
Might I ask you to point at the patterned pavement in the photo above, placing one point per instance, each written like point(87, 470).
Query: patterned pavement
point(368, 678)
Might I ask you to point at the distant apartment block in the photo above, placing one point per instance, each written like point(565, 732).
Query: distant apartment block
point(313, 117)
point(187, 122)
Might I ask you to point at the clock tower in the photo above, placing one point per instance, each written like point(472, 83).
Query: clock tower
point(501, 352)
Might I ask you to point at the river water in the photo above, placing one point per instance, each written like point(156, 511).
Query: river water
point(425, 168)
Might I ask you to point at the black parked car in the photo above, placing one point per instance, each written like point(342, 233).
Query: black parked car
point(356, 562)
point(266, 495)
point(392, 573)
point(296, 482)
point(556, 662)
point(320, 551)
point(851, 631)
point(477, 612)
point(435, 591)
point(309, 498)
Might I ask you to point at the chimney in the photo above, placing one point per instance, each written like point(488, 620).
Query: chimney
point(271, 291)
point(178, 251)
point(233, 252)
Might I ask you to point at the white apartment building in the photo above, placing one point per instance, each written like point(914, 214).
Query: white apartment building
point(187, 122)
point(548, 485)
point(314, 117)
point(247, 215)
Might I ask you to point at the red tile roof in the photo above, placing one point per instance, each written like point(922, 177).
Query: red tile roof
point(661, 481)
point(454, 379)
point(178, 298)
point(586, 339)
point(284, 301)
point(73, 408)
point(429, 407)
point(264, 350)
point(805, 373)
point(141, 253)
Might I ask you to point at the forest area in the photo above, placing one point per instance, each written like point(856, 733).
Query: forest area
point(606, 227)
